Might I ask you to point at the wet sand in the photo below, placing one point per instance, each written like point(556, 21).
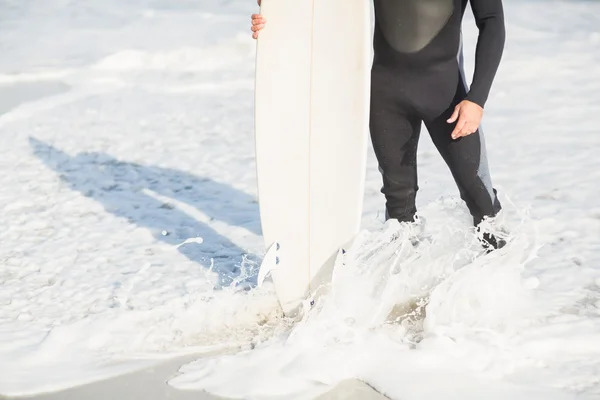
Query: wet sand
point(151, 384)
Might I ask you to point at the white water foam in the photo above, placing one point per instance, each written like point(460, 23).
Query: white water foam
point(396, 314)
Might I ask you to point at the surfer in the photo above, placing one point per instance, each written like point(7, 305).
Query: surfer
point(417, 77)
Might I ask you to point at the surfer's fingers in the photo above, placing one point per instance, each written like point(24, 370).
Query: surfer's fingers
point(258, 21)
point(462, 132)
point(457, 132)
point(454, 115)
point(468, 129)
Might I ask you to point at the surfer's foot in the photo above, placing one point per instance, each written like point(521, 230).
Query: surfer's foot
point(492, 240)
point(407, 230)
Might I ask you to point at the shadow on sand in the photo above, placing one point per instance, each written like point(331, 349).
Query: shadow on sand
point(125, 190)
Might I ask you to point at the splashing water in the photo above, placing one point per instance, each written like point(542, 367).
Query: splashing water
point(439, 303)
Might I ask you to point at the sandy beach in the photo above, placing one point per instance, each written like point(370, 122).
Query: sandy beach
point(150, 384)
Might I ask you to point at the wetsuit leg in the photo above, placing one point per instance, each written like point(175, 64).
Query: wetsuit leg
point(466, 158)
point(395, 135)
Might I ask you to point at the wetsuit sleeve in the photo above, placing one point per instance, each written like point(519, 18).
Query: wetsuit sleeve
point(489, 17)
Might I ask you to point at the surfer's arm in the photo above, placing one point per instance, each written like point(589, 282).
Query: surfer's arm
point(489, 17)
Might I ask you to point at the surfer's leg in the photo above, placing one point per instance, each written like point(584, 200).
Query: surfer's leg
point(466, 158)
point(395, 135)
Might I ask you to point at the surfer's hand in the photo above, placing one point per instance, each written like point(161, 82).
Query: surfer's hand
point(258, 22)
point(469, 116)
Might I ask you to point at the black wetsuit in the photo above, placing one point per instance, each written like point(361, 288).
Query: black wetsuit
point(417, 76)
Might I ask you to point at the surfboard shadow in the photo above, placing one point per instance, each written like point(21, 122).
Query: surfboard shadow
point(127, 191)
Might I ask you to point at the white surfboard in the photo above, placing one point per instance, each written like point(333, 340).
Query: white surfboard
point(311, 122)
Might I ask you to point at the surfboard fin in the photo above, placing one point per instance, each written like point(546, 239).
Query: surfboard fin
point(269, 263)
point(339, 262)
point(339, 259)
point(324, 282)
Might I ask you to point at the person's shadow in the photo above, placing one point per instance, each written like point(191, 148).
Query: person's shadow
point(126, 190)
